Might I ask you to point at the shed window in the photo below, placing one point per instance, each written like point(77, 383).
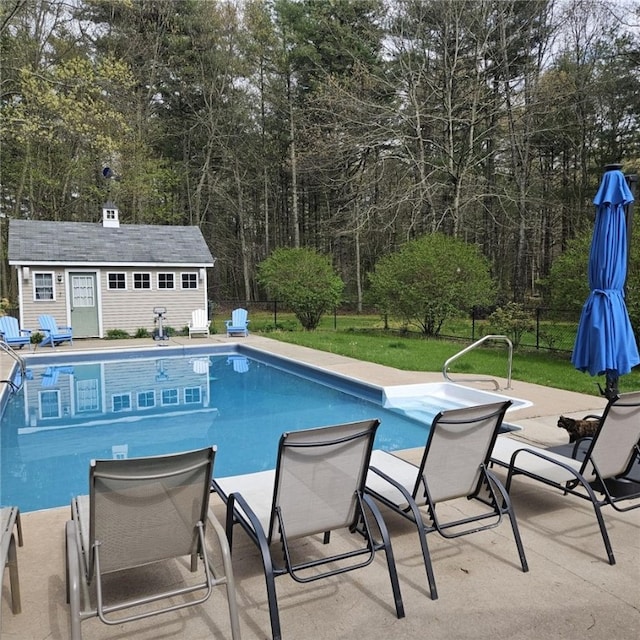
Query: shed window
point(166, 281)
point(117, 280)
point(189, 280)
point(142, 281)
point(43, 286)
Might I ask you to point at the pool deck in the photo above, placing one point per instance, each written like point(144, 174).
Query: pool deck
point(570, 591)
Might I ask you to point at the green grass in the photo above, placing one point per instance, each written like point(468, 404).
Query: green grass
point(363, 336)
point(412, 353)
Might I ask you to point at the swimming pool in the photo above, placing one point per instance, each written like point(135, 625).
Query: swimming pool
point(73, 408)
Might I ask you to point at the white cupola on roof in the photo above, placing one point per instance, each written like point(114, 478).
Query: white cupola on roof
point(110, 215)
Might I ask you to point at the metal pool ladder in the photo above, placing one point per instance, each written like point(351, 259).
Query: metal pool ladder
point(445, 367)
point(21, 363)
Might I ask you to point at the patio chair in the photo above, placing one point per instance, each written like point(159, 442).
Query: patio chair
point(199, 324)
point(12, 334)
point(143, 511)
point(238, 323)
point(454, 465)
point(53, 334)
point(10, 520)
point(316, 488)
point(608, 458)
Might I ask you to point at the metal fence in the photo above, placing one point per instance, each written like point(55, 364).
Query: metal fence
point(548, 329)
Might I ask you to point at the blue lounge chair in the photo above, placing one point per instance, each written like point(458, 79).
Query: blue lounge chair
point(12, 334)
point(53, 334)
point(238, 323)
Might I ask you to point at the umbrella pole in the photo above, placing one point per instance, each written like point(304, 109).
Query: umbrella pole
point(611, 386)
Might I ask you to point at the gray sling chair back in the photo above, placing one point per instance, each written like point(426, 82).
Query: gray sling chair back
point(454, 465)
point(142, 511)
point(596, 462)
point(316, 488)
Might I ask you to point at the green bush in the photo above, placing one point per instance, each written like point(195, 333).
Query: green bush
point(304, 281)
point(117, 334)
point(141, 333)
point(431, 279)
point(511, 320)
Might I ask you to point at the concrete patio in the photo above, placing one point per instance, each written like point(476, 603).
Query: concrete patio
point(570, 591)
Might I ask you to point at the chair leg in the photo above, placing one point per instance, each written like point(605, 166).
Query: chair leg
point(507, 507)
point(388, 552)
point(225, 552)
point(14, 580)
point(73, 579)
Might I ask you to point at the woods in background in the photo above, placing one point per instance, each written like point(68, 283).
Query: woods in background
point(349, 127)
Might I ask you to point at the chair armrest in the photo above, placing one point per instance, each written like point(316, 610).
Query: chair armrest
point(26, 331)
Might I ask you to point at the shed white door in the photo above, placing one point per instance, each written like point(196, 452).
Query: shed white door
point(84, 305)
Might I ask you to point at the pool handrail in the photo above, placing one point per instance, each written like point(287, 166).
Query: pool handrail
point(4, 346)
point(445, 367)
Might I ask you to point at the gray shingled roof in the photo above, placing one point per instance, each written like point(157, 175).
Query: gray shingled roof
point(32, 241)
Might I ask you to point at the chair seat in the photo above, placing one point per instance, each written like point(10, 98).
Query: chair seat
point(256, 489)
point(505, 447)
point(403, 472)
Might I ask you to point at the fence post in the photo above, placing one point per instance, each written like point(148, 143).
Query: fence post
point(473, 324)
point(538, 328)
point(275, 314)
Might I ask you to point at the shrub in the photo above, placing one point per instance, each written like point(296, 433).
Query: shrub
point(511, 320)
point(117, 334)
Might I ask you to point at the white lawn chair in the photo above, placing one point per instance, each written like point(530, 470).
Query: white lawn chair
point(199, 324)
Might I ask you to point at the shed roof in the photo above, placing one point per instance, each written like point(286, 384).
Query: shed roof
point(46, 241)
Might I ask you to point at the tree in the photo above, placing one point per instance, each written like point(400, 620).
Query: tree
point(304, 280)
point(431, 279)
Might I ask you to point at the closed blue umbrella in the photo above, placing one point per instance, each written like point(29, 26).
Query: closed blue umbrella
point(605, 343)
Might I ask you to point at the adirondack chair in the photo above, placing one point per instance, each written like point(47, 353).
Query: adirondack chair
point(53, 334)
point(12, 334)
point(238, 323)
point(199, 323)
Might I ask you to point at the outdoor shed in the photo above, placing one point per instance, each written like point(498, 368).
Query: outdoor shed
point(100, 277)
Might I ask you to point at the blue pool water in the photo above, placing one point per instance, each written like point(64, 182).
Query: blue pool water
point(70, 411)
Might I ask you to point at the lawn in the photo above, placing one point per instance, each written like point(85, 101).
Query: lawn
point(364, 337)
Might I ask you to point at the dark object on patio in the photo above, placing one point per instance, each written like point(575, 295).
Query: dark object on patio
point(610, 459)
point(454, 465)
point(579, 428)
point(316, 488)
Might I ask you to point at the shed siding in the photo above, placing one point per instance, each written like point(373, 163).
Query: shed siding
point(31, 309)
point(132, 309)
point(129, 309)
